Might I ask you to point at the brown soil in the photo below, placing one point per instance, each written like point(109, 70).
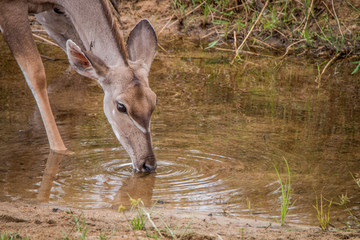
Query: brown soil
point(164, 19)
point(48, 221)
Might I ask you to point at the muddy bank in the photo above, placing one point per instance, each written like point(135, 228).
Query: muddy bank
point(49, 221)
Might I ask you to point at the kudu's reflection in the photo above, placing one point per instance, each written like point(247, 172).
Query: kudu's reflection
point(137, 185)
point(51, 169)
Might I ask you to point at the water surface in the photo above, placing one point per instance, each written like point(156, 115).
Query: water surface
point(218, 130)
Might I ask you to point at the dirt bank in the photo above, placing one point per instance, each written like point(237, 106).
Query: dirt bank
point(49, 221)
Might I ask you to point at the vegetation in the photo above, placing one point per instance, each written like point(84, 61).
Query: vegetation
point(325, 28)
point(79, 225)
point(323, 216)
point(356, 179)
point(248, 203)
point(141, 215)
point(316, 27)
point(285, 193)
point(344, 200)
point(138, 222)
point(12, 236)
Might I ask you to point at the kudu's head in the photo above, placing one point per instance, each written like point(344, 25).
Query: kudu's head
point(128, 100)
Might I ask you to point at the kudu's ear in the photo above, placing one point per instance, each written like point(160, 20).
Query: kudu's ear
point(86, 64)
point(142, 42)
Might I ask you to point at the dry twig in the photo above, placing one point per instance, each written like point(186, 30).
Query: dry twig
point(167, 23)
point(324, 69)
point(337, 19)
point(307, 17)
point(289, 47)
point(187, 14)
point(247, 36)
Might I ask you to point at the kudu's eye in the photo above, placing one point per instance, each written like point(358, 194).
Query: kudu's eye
point(121, 107)
point(58, 11)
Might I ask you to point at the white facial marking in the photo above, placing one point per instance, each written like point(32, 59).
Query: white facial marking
point(129, 151)
point(117, 135)
point(113, 111)
point(139, 126)
point(149, 126)
point(100, 79)
point(131, 154)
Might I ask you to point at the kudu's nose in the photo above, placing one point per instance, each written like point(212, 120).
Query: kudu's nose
point(149, 168)
point(149, 164)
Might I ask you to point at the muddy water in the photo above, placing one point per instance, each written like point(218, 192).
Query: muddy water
point(218, 131)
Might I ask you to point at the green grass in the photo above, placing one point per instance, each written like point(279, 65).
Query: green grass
point(287, 21)
point(102, 236)
point(357, 68)
point(79, 223)
point(144, 215)
point(285, 193)
point(12, 236)
point(356, 179)
point(344, 200)
point(138, 222)
point(322, 215)
point(248, 204)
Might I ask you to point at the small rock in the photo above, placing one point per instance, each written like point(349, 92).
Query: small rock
point(50, 221)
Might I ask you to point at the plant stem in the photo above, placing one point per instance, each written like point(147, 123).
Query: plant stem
point(247, 36)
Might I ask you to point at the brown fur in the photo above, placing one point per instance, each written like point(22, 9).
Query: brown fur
point(132, 131)
point(109, 11)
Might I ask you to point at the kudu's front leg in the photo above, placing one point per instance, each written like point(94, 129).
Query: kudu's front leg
point(18, 35)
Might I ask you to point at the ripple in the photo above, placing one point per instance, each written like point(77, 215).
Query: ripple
point(183, 180)
point(188, 180)
point(192, 180)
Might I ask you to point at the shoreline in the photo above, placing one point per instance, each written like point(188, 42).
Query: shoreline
point(52, 221)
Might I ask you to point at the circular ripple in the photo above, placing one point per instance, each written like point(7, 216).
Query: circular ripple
point(192, 180)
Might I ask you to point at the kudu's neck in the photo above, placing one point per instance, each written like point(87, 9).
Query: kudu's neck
point(97, 32)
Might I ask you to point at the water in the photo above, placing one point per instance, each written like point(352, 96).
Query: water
point(218, 131)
